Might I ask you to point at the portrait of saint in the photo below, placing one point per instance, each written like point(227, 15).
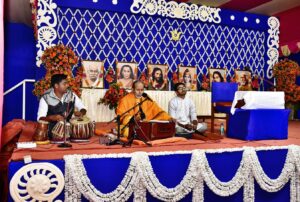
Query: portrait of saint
point(188, 76)
point(217, 75)
point(126, 74)
point(158, 77)
point(93, 74)
point(243, 78)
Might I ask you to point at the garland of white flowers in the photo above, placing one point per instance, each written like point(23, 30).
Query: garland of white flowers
point(140, 177)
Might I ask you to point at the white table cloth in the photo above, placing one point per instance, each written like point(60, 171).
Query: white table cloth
point(101, 113)
point(259, 100)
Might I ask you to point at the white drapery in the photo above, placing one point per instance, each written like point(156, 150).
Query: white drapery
point(101, 113)
point(259, 100)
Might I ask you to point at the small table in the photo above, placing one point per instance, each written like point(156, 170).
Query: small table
point(262, 117)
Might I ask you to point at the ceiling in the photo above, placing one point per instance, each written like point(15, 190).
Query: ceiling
point(19, 10)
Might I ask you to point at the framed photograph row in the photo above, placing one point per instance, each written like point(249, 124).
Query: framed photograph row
point(127, 73)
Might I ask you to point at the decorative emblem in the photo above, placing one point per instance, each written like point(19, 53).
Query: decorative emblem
point(175, 35)
point(273, 45)
point(46, 21)
point(176, 10)
point(37, 182)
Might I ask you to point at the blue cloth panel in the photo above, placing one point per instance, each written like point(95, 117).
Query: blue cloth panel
point(106, 174)
point(223, 109)
point(223, 91)
point(298, 80)
point(259, 124)
point(19, 60)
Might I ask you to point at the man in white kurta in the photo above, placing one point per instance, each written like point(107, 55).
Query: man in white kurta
point(183, 109)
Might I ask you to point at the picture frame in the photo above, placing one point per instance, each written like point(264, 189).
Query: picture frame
point(244, 79)
point(217, 75)
point(126, 73)
point(188, 76)
point(158, 76)
point(92, 74)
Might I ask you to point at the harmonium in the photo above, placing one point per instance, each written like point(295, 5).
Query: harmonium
point(152, 130)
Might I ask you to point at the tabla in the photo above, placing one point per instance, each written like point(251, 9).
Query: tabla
point(58, 132)
point(41, 132)
point(81, 129)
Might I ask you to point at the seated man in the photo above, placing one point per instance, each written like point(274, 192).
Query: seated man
point(58, 102)
point(183, 110)
point(147, 111)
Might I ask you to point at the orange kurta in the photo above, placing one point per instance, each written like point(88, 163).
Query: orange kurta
point(151, 109)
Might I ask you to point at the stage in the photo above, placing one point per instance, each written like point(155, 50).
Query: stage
point(174, 164)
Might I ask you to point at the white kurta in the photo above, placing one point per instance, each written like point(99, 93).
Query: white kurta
point(184, 111)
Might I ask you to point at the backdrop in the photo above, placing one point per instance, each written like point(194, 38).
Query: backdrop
point(141, 31)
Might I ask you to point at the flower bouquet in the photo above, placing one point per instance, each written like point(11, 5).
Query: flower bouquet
point(113, 95)
point(285, 72)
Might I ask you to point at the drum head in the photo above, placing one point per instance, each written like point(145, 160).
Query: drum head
point(83, 120)
point(43, 122)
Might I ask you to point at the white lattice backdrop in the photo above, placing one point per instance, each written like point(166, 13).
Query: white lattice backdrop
point(111, 36)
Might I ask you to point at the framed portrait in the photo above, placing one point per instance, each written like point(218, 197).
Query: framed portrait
point(217, 75)
point(126, 73)
point(244, 79)
point(92, 74)
point(188, 76)
point(158, 77)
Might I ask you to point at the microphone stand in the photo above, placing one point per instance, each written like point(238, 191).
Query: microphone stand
point(117, 119)
point(135, 136)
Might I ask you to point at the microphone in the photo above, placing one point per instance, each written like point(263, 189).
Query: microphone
point(145, 95)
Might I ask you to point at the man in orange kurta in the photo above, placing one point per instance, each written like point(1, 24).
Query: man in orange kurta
point(150, 109)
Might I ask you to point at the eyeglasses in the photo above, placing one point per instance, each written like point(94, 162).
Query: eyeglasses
point(181, 88)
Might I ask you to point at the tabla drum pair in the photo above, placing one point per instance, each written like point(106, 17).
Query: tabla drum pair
point(58, 132)
point(78, 130)
point(81, 129)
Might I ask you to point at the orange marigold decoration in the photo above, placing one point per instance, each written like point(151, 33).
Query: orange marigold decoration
point(144, 79)
point(113, 95)
point(205, 83)
point(59, 59)
point(175, 77)
point(110, 75)
point(255, 82)
point(285, 72)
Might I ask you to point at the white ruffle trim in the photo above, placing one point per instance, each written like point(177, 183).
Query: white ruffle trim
point(140, 177)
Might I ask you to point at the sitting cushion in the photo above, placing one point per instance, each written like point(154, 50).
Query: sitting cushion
point(259, 124)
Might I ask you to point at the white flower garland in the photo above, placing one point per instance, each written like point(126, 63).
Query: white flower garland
point(140, 177)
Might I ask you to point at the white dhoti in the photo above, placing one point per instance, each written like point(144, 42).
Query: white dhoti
point(201, 127)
